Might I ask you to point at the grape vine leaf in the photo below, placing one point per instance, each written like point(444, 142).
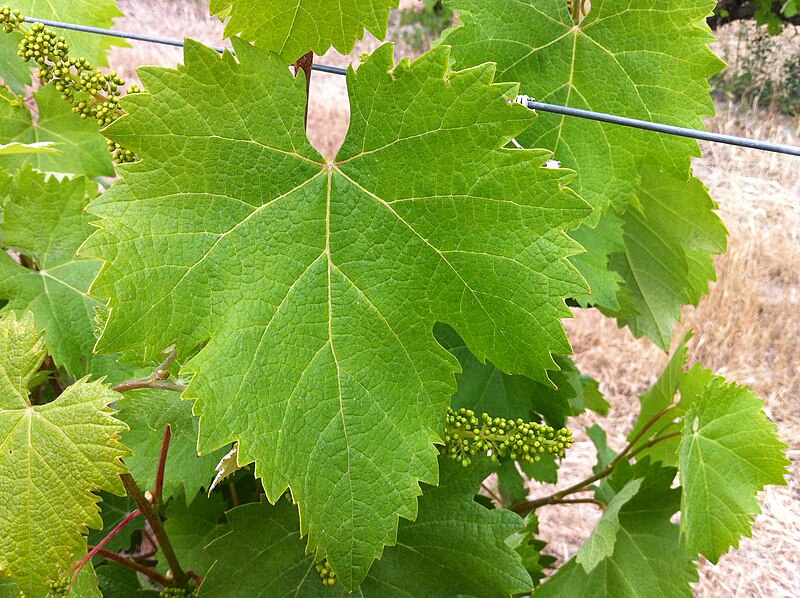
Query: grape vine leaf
point(728, 453)
point(483, 387)
point(530, 548)
point(82, 149)
point(97, 13)
point(308, 276)
point(600, 544)
point(191, 528)
point(147, 414)
point(650, 63)
point(116, 581)
point(45, 220)
point(293, 27)
point(53, 458)
point(265, 543)
point(669, 244)
point(14, 72)
point(113, 509)
point(649, 557)
point(42, 147)
point(605, 454)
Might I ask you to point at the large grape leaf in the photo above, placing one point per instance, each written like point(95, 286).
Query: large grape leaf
point(728, 453)
point(91, 13)
point(456, 547)
point(45, 220)
point(293, 27)
point(147, 414)
point(317, 282)
point(53, 458)
point(649, 558)
point(649, 62)
point(82, 149)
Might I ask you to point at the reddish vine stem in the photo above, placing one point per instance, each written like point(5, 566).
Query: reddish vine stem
point(574, 501)
point(154, 519)
point(138, 567)
point(492, 493)
point(304, 63)
point(626, 454)
point(76, 568)
point(158, 488)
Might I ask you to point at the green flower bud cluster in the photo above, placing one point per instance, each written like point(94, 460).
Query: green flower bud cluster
point(59, 588)
point(467, 435)
point(171, 592)
point(326, 574)
point(10, 19)
point(92, 93)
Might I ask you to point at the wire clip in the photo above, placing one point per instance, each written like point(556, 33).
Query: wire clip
point(523, 99)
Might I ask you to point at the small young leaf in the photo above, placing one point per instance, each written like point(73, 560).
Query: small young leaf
point(649, 558)
point(83, 150)
point(605, 455)
point(53, 458)
point(148, 413)
point(728, 453)
point(600, 545)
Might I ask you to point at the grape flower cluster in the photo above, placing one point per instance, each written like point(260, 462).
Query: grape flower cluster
point(58, 588)
point(91, 93)
point(326, 573)
point(170, 592)
point(467, 435)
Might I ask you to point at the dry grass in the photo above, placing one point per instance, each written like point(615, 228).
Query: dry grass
point(746, 328)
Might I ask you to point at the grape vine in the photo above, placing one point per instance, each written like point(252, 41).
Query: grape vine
point(320, 376)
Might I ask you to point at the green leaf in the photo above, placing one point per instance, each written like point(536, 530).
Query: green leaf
point(307, 277)
point(97, 13)
point(655, 64)
point(649, 559)
point(510, 483)
point(293, 27)
point(484, 388)
point(14, 72)
point(42, 147)
point(600, 544)
point(264, 550)
point(191, 528)
point(82, 149)
point(147, 414)
point(53, 458)
point(117, 581)
point(46, 221)
point(728, 453)
point(654, 61)
point(113, 510)
point(662, 394)
point(668, 261)
point(605, 455)
point(530, 549)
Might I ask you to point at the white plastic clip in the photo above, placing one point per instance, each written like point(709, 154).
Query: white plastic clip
point(523, 99)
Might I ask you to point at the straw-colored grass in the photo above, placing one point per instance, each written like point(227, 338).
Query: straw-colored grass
point(747, 328)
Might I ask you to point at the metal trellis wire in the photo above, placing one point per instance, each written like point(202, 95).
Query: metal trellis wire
point(524, 100)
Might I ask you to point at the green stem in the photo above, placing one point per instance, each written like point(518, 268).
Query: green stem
point(626, 454)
